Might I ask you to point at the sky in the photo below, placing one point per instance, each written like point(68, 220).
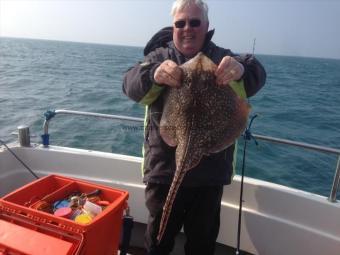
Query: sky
point(296, 28)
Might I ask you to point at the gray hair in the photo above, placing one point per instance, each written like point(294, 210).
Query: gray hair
point(181, 4)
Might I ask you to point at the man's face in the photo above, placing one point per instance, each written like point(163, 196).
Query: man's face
point(189, 38)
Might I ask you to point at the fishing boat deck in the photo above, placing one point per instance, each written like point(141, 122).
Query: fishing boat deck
point(136, 247)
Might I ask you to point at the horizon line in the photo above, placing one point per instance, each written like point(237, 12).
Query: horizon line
point(136, 46)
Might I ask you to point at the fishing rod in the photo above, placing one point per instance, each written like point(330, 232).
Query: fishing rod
point(254, 46)
point(26, 166)
point(247, 136)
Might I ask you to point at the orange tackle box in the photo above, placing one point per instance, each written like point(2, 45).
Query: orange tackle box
point(100, 236)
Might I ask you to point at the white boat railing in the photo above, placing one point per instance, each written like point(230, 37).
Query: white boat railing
point(336, 181)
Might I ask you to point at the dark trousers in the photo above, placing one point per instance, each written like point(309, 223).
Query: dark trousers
point(197, 209)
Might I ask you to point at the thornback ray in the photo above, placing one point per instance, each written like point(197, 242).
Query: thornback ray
point(199, 118)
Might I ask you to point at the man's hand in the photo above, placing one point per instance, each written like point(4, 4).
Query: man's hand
point(228, 70)
point(168, 73)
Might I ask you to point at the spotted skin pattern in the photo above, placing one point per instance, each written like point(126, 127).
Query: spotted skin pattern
point(199, 118)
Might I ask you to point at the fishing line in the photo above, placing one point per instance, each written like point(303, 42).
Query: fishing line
point(26, 166)
point(247, 137)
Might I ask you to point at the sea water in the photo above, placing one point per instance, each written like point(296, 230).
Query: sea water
point(300, 101)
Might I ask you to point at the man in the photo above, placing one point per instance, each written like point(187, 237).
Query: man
point(198, 201)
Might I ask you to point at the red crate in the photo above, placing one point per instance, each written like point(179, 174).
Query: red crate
point(100, 236)
point(21, 237)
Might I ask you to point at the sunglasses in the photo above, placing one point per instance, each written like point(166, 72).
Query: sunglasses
point(192, 23)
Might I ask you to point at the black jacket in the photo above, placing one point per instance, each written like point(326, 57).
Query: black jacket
point(159, 159)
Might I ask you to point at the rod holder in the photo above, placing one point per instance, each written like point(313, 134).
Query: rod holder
point(336, 183)
point(24, 136)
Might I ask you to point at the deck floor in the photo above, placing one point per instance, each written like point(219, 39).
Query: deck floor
point(136, 245)
point(226, 251)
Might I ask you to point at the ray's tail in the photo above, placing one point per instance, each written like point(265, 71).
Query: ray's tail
point(167, 208)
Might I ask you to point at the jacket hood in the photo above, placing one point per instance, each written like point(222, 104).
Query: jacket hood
point(164, 36)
